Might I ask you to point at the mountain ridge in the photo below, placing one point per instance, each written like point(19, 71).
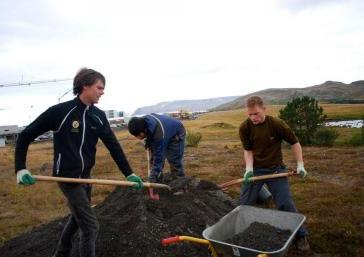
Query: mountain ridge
point(329, 91)
point(187, 105)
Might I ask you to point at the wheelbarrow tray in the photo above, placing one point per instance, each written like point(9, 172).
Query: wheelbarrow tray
point(240, 219)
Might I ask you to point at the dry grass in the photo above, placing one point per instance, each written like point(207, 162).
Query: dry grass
point(331, 197)
point(344, 111)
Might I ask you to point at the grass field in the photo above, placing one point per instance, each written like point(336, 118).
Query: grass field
point(332, 197)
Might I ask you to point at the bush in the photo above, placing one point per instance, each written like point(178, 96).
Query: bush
point(356, 139)
point(304, 116)
point(325, 137)
point(193, 138)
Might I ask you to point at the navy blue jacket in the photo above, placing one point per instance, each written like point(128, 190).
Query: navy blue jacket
point(76, 129)
point(160, 130)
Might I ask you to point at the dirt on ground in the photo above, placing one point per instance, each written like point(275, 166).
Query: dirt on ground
point(133, 225)
point(262, 237)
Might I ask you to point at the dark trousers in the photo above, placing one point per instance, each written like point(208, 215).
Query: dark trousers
point(279, 188)
point(174, 154)
point(82, 217)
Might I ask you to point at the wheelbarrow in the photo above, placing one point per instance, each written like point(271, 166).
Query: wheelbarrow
point(239, 220)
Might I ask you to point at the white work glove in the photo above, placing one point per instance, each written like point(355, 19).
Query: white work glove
point(248, 174)
point(24, 177)
point(301, 170)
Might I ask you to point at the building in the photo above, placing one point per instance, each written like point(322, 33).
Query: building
point(8, 134)
point(185, 115)
point(110, 114)
point(115, 118)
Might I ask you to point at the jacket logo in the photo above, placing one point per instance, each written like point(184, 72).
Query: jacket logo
point(75, 126)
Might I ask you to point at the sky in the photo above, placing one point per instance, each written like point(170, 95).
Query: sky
point(164, 50)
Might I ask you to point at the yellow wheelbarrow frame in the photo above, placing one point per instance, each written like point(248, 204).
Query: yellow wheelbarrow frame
point(177, 239)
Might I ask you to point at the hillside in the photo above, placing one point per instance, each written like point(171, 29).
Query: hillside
point(188, 105)
point(330, 91)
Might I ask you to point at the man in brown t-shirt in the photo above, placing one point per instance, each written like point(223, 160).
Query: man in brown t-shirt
point(262, 137)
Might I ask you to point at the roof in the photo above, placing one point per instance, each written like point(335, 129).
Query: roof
point(9, 130)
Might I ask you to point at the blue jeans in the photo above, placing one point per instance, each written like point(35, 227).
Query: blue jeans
point(82, 217)
point(279, 188)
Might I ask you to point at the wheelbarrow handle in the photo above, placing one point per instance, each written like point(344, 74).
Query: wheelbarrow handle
point(177, 239)
point(170, 240)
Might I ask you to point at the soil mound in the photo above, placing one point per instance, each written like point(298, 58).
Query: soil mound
point(132, 225)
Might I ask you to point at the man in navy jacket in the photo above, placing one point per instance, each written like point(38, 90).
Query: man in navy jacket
point(77, 125)
point(165, 137)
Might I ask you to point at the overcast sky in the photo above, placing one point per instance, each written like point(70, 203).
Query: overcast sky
point(153, 51)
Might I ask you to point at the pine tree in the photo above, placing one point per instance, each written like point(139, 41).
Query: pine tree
point(304, 116)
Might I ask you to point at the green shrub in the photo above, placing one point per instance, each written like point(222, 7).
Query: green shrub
point(193, 138)
point(357, 139)
point(325, 137)
point(304, 116)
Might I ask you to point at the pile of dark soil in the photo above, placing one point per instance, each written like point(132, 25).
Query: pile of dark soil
point(132, 225)
point(261, 236)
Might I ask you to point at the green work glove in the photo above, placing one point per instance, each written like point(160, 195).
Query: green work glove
point(248, 174)
point(134, 178)
point(301, 170)
point(24, 177)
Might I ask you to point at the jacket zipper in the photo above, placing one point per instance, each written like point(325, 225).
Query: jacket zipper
point(58, 163)
point(83, 139)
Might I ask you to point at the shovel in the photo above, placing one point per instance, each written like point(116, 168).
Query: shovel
point(150, 190)
point(98, 181)
point(257, 178)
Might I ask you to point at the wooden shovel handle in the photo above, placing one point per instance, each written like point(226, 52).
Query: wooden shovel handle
point(98, 181)
point(277, 175)
point(257, 178)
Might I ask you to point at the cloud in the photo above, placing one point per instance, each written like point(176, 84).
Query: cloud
point(300, 5)
point(153, 51)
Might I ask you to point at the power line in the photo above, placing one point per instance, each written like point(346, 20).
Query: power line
point(28, 83)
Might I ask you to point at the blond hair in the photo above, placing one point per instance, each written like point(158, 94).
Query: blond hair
point(254, 101)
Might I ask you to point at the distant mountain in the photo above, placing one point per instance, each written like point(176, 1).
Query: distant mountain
point(330, 91)
point(188, 105)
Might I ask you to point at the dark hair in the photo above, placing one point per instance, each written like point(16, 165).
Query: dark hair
point(254, 100)
point(136, 126)
point(86, 77)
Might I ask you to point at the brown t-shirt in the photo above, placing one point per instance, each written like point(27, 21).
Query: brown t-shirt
point(265, 140)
